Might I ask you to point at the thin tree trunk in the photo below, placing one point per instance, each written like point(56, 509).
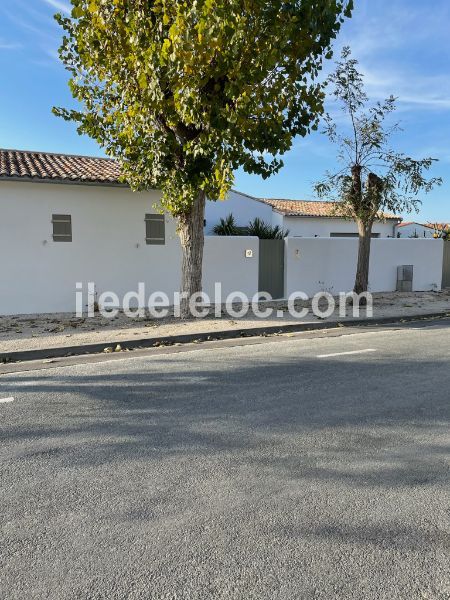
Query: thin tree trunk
point(192, 236)
point(362, 269)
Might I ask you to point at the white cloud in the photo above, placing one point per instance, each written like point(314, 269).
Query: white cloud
point(10, 45)
point(402, 48)
point(412, 89)
point(59, 5)
point(394, 25)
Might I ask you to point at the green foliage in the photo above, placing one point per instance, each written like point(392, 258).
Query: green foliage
point(374, 178)
point(184, 92)
point(264, 231)
point(256, 228)
point(441, 231)
point(226, 226)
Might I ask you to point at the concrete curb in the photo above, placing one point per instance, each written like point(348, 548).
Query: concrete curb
point(83, 349)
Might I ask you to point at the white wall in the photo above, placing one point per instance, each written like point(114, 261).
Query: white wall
point(278, 219)
point(323, 227)
point(329, 264)
point(413, 229)
point(425, 255)
point(243, 208)
point(108, 248)
point(225, 261)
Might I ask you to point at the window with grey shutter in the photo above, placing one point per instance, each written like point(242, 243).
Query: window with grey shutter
point(155, 230)
point(62, 228)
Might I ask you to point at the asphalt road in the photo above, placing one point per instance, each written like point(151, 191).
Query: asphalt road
point(282, 470)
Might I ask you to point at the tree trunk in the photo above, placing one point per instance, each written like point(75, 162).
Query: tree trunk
point(362, 270)
point(192, 236)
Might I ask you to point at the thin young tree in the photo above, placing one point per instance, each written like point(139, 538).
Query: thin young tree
point(183, 93)
point(375, 179)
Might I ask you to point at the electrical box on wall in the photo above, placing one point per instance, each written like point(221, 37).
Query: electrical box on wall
point(405, 275)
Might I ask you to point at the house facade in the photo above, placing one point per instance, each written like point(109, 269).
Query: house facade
point(420, 230)
point(302, 218)
point(67, 220)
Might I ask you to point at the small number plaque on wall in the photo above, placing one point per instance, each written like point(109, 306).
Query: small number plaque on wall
point(249, 254)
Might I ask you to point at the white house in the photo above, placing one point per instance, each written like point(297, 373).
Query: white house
point(66, 220)
point(302, 218)
point(412, 229)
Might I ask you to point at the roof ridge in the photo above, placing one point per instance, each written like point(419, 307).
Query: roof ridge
point(56, 167)
point(245, 195)
point(43, 152)
point(298, 200)
point(315, 208)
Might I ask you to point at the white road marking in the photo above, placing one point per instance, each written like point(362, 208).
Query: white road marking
point(5, 400)
point(366, 351)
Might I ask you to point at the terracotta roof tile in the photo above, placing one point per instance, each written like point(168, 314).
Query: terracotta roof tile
point(44, 166)
point(438, 226)
point(310, 208)
point(57, 167)
point(407, 223)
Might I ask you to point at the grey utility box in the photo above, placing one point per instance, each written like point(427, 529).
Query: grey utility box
point(405, 275)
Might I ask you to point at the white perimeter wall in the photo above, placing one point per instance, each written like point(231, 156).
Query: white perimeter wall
point(329, 264)
point(108, 248)
point(225, 261)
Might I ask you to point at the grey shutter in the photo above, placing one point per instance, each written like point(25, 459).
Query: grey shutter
point(155, 230)
point(62, 228)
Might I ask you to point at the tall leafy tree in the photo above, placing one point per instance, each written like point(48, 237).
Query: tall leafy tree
point(185, 92)
point(374, 178)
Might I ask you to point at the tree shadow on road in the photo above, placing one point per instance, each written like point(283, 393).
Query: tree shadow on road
point(297, 417)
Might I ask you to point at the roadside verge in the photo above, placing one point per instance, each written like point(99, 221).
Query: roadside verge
point(159, 341)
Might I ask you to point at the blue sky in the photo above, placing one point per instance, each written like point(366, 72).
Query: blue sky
point(403, 47)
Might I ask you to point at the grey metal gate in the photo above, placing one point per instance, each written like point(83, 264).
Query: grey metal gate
point(446, 266)
point(271, 267)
